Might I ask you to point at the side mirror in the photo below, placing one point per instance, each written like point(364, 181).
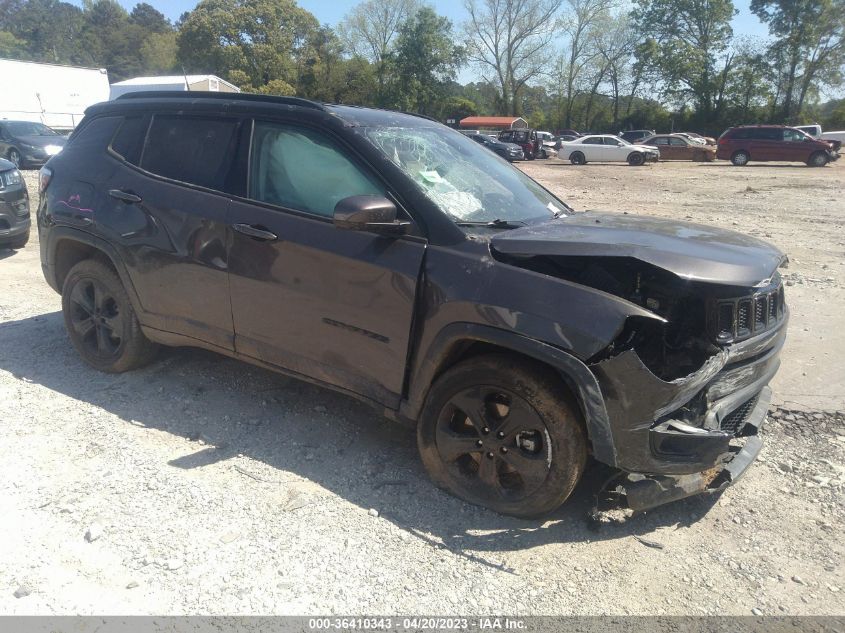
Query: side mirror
point(369, 213)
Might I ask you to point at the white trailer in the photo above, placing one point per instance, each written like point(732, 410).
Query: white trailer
point(51, 94)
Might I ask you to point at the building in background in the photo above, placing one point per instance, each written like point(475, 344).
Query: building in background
point(494, 122)
point(51, 94)
point(185, 83)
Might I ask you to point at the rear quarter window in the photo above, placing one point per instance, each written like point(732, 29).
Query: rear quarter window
point(195, 150)
point(92, 136)
point(129, 140)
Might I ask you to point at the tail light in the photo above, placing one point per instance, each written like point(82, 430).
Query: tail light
point(44, 177)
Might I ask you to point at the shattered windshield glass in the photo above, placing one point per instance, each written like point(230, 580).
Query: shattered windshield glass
point(465, 180)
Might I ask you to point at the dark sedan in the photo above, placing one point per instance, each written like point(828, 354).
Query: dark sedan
point(509, 151)
point(29, 144)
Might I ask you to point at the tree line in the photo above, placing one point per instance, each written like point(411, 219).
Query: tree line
point(584, 64)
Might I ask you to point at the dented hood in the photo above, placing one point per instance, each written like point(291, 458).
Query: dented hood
point(690, 251)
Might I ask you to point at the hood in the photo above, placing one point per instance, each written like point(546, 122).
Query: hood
point(42, 141)
point(651, 148)
point(691, 251)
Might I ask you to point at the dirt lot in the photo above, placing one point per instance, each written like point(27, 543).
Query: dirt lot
point(205, 485)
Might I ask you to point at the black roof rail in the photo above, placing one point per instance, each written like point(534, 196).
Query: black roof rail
point(226, 96)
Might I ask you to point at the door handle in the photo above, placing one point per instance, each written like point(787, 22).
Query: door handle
point(255, 232)
point(124, 196)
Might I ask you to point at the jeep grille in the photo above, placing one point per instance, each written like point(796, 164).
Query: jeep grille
point(741, 318)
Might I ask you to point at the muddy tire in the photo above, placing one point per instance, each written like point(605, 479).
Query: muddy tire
point(636, 159)
point(577, 158)
point(502, 432)
point(15, 158)
point(740, 158)
point(100, 320)
point(818, 159)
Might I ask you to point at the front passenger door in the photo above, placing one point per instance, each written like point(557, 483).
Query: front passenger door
point(332, 304)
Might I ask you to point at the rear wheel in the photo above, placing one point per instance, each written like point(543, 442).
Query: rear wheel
point(500, 432)
point(100, 320)
point(577, 158)
point(636, 159)
point(740, 158)
point(819, 159)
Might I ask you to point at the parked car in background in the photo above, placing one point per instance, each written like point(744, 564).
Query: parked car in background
point(388, 257)
point(527, 139)
point(707, 140)
point(509, 151)
point(14, 207)
point(567, 132)
point(634, 136)
point(679, 147)
point(773, 143)
point(29, 144)
point(606, 148)
point(815, 130)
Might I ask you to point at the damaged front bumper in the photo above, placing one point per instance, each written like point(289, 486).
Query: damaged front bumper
point(693, 435)
point(648, 491)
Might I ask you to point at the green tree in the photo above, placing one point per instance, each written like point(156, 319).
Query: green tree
point(687, 42)
point(262, 38)
point(808, 48)
point(369, 31)
point(424, 61)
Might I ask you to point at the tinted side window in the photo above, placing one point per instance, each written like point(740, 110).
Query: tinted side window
point(592, 140)
point(195, 150)
point(660, 140)
point(739, 135)
point(129, 140)
point(677, 141)
point(300, 169)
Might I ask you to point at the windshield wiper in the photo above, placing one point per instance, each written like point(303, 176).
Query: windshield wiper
point(495, 224)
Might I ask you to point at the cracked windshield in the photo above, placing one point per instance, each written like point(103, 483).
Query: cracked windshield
point(467, 182)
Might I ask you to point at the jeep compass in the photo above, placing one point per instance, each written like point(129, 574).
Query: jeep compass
point(393, 259)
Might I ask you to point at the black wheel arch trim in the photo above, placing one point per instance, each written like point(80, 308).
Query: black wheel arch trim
point(58, 234)
point(573, 371)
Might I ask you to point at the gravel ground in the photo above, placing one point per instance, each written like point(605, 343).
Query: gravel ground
point(204, 485)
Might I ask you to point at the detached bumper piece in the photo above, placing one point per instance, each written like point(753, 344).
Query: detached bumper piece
point(648, 491)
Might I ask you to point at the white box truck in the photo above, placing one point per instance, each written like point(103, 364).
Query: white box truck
point(51, 94)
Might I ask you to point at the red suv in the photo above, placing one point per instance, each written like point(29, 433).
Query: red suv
point(773, 142)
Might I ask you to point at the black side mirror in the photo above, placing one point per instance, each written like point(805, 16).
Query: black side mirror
point(369, 213)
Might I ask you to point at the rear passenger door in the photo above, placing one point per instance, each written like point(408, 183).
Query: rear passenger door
point(332, 304)
point(168, 210)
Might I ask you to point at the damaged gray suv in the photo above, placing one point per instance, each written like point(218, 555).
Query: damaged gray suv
point(395, 260)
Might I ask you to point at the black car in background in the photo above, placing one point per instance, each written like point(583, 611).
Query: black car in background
point(635, 136)
point(393, 259)
point(509, 151)
point(14, 207)
point(28, 144)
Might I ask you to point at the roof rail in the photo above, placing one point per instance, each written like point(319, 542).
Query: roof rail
point(233, 96)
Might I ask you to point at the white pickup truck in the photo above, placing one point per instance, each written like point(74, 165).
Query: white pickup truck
point(815, 131)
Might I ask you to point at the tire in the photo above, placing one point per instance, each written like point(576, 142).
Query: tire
point(543, 154)
point(15, 158)
point(636, 159)
point(19, 243)
point(698, 157)
point(740, 158)
point(577, 158)
point(818, 159)
point(545, 438)
point(100, 320)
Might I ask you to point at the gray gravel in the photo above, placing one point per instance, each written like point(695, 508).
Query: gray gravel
point(219, 488)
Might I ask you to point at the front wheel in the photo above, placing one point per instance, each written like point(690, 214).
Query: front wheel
point(740, 158)
point(636, 159)
point(819, 159)
point(100, 319)
point(501, 432)
point(15, 157)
